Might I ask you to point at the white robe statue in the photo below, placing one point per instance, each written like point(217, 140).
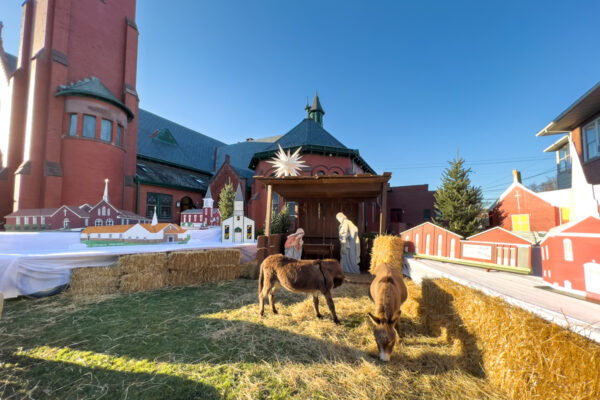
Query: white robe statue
point(349, 245)
point(293, 244)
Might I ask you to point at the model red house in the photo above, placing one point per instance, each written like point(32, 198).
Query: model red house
point(520, 209)
point(201, 218)
point(430, 239)
point(498, 246)
point(571, 257)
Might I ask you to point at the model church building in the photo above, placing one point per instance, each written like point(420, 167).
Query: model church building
point(238, 228)
point(208, 216)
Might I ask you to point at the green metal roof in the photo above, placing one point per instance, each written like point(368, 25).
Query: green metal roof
point(94, 88)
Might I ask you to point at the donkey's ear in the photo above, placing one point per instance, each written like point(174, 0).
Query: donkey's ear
point(374, 319)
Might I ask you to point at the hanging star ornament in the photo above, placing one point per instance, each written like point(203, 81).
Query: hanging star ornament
point(286, 164)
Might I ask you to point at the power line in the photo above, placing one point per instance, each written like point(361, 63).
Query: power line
point(470, 163)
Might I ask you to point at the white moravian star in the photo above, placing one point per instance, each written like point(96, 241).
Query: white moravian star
point(286, 164)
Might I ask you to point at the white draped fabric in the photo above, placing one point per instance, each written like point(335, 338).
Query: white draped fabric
point(31, 262)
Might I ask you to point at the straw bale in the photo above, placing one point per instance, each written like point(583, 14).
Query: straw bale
point(188, 260)
point(249, 270)
point(224, 257)
point(387, 249)
point(524, 355)
point(141, 282)
point(94, 280)
point(207, 273)
point(143, 263)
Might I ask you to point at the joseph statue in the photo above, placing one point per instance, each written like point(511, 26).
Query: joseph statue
point(349, 245)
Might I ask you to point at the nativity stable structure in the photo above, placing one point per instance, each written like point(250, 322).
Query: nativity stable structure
point(319, 198)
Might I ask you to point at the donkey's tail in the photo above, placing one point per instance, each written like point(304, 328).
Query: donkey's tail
point(260, 279)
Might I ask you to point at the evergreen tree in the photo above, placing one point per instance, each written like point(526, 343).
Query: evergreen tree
point(458, 204)
point(226, 199)
point(281, 222)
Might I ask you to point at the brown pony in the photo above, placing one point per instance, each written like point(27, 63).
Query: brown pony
point(299, 276)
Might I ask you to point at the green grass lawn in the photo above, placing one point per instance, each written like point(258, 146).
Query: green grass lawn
point(209, 342)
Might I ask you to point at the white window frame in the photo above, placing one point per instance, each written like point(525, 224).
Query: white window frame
point(110, 222)
point(452, 250)
point(568, 249)
point(66, 223)
point(98, 222)
point(427, 244)
point(439, 245)
point(596, 124)
point(417, 243)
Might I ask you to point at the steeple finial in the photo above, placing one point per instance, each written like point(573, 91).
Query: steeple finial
point(105, 197)
point(154, 218)
point(316, 112)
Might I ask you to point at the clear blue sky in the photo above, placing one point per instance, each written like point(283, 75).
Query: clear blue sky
point(406, 82)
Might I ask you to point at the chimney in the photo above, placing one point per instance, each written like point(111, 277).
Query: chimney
point(516, 176)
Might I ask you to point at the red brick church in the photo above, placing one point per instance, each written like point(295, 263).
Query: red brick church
point(69, 119)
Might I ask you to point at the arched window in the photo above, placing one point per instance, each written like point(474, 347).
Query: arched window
point(98, 222)
point(568, 248)
point(321, 173)
point(417, 243)
point(427, 243)
point(452, 246)
point(109, 222)
point(439, 246)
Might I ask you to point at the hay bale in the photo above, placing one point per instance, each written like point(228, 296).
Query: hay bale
point(387, 249)
point(224, 256)
point(524, 355)
point(195, 267)
point(187, 260)
point(209, 273)
point(143, 263)
point(276, 242)
point(249, 270)
point(142, 282)
point(94, 280)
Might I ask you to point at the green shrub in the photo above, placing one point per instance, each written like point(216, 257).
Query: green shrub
point(281, 222)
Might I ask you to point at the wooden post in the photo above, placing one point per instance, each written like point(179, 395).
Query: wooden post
point(383, 211)
point(269, 208)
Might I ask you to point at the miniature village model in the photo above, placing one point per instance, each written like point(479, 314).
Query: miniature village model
point(208, 216)
point(134, 234)
point(103, 214)
point(238, 228)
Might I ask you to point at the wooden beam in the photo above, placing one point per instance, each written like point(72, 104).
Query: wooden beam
point(269, 208)
point(383, 211)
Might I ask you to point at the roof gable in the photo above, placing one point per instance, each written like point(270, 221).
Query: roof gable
point(432, 224)
point(498, 234)
point(590, 224)
point(518, 186)
point(162, 140)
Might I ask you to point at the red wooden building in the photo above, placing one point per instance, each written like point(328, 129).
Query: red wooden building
point(433, 240)
point(498, 246)
point(571, 257)
point(519, 209)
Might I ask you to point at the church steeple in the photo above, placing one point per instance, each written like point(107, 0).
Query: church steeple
point(315, 112)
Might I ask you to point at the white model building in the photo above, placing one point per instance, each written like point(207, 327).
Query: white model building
point(238, 228)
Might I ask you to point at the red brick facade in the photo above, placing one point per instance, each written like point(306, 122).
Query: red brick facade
point(177, 196)
point(64, 42)
point(227, 174)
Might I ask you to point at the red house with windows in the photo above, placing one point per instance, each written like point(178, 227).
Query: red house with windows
point(430, 239)
point(498, 246)
point(571, 257)
point(201, 218)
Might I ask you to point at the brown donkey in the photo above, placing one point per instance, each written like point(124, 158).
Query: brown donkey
point(299, 276)
point(388, 291)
